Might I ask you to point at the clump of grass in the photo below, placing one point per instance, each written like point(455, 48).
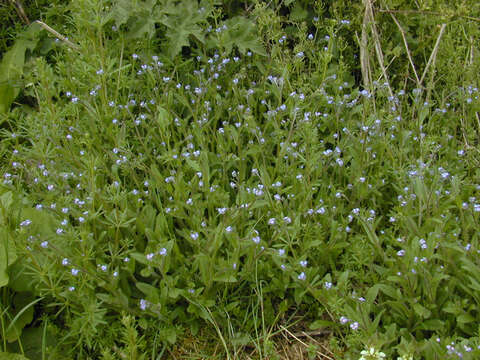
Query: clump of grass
point(238, 188)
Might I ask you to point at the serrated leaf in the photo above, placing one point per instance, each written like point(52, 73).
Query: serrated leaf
point(182, 21)
point(140, 27)
point(298, 13)
point(122, 11)
point(242, 33)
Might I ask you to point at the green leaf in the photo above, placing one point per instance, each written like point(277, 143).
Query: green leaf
point(318, 324)
point(168, 334)
point(183, 20)
point(163, 117)
point(140, 27)
point(225, 277)
point(422, 311)
point(342, 280)
point(388, 290)
point(8, 255)
point(19, 279)
point(465, 318)
point(151, 292)
point(11, 67)
point(9, 356)
point(141, 258)
point(6, 200)
point(242, 33)
point(372, 293)
point(122, 11)
point(432, 325)
point(298, 13)
point(23, 315)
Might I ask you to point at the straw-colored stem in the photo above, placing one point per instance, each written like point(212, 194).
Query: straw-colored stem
point(433, 55)
point(407, 49)
point(57, 35)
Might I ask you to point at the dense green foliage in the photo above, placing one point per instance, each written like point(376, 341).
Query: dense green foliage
point(224, 170)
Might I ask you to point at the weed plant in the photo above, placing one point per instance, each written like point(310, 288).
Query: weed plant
point(208, 170)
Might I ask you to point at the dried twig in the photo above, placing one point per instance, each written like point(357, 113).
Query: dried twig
point(301, 342)
point(433, 55)
point(19, 9)
point(57, 35)
point(421, 12)
point(364, 58)
point(376, 39)
point(472, 50)
point(406, 48)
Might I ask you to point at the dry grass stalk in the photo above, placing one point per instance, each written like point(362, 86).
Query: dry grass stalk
point(376, 38)
point(433, 55)
point(320, 354)
point(423, 12)
point(19, 9)
point(407, 49)
point(364, 58)
point(57, 35)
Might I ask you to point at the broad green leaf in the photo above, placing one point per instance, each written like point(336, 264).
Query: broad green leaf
point(6, 200)
point(22, 316)
point(183, 20)
point(10, 356)
point(151, 292)
point(11, 67)
point(225, 277)
point(465, 318)
point(122, 11)
point(8, 255)
point(163, 117)
point(372, 293)
point(298, 13)
point(130, 9)
point(19, 279)
point(242, 33)
point(139, 27)
point(389, 291)
point(168, 334)
point(432, 325)
point(317, 324)
point(422, 311)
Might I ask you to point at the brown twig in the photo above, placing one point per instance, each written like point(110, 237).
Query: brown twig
point(19, 9)
point(406, 48)
point(424, 13)
point(376, 39)
point(433, 55)
point(364, 58)
point(472, 49)
point(57, 35)
point(301, 342)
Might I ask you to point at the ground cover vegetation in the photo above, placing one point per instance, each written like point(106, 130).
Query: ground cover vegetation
point(224, 179)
